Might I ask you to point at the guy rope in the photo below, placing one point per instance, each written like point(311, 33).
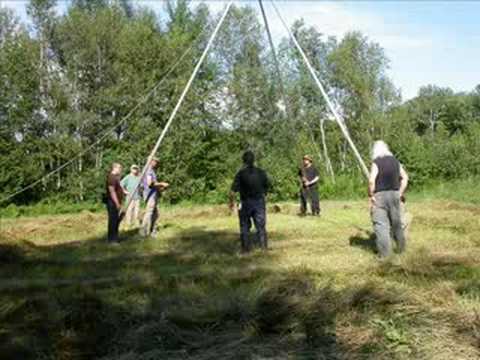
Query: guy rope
point(103, 135)
point(339, 120)
point(179, 103)
point(146, 97)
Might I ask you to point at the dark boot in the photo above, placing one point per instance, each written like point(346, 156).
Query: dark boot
point(262, 240)
point(245, 243)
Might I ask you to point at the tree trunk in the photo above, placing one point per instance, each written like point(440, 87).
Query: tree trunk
point(328, 163)
point(41, 77)
point(343, 155)
point(44, 180)
point(99, 65)
point(314, 142)
point(59, 177)
point(80, 166)
point(97, 159)
point(317, 148)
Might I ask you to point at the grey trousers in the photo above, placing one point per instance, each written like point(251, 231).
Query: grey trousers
point(150, 217)
point(133, 213)
point(387, 220)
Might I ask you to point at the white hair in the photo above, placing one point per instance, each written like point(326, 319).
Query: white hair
point(380, 149)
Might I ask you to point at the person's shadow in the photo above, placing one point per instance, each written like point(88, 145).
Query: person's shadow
point(365, 241)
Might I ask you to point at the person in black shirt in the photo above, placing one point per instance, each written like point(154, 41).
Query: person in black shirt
point(387, 185)
point(309, 191)
point(114, 197)
point(252, 183)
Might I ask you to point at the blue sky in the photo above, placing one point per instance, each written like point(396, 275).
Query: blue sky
point(428, 42)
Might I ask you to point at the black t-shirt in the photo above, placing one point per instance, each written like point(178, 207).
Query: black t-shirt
point(310, 173)
point(388, 178)
point(251, 182)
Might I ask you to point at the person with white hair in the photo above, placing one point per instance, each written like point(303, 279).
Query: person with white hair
point(387, 184)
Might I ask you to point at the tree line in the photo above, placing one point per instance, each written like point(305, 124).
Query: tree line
point(67, 78)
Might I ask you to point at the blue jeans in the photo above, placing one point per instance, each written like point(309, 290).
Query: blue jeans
point(253, 209)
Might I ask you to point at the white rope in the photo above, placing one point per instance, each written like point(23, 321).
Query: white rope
point(107, 132)
point(277, 68)
point(179, 103)
point(274, 53)
point(282, 86)
point(340, 121)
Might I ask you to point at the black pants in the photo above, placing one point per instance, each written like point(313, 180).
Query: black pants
point(310, 194)
point(113, 221)
point(253, 209)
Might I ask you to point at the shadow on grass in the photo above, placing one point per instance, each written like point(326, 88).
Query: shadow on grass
point(193, 297)
point(365, 242)
point(211, 242)
point(196, 299)
point(428, 268)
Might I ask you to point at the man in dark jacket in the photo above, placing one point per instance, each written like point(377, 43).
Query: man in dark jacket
point(252, 183)
point(309, 192)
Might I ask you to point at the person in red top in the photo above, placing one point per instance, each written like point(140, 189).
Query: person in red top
point(114, 201)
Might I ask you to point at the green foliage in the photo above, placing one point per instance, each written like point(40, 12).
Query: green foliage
point(48, 208)
point(89, 67)
point(465, 190)
point(344, 187)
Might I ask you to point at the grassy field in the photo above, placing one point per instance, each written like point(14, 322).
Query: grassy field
point(319, 293)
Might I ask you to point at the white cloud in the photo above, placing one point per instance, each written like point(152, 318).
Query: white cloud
point(399, 42)
point(338, 18)
point(19, 7)
point(411, 47)
point(215, 6)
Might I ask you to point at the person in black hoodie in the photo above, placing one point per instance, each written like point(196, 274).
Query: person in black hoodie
point(253, 184)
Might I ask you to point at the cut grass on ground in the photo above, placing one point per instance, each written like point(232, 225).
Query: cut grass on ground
point(320, 293)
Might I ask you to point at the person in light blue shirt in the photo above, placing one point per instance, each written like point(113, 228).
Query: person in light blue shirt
point(131, 189)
